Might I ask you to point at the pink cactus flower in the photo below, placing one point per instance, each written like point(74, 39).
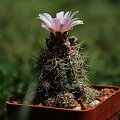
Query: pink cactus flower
point(63, 22)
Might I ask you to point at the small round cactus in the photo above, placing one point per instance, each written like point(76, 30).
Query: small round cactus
point(65, 100)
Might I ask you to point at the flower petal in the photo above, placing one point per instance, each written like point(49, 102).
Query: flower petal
point(77, 22)
point(66, 15)
point(44, 26)
point(60, 15)
point(45, 20)
point(48, 16)
point(73, 14)
point(68, 23)
point(57, 25)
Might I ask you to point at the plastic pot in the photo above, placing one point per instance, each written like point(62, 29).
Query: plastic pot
point(106, 110)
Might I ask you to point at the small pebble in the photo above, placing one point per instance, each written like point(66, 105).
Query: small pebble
point(77, 108)
point(94, 103)
point(105, 97)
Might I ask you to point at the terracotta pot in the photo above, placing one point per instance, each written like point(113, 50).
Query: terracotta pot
point(106, 110)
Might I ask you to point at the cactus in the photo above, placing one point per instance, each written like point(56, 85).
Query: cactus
point(62, 69)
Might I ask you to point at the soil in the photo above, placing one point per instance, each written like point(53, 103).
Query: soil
point(104, 94)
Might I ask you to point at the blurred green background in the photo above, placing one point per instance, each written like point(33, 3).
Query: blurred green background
point(21, 36)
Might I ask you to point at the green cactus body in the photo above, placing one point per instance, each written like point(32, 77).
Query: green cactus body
point(62, 70)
